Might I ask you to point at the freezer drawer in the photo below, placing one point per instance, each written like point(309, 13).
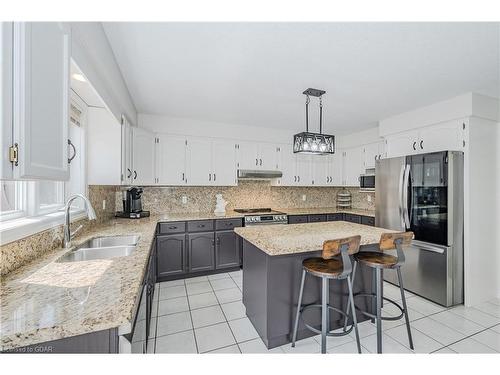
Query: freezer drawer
point(432, 272)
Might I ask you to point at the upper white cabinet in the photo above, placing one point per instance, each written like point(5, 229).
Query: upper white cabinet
point(143, 159)
point(104, 148)
point(320, 170)
point(39, 75)
point(449, 135)
point(211, 162)
point(371, 153)
point(254, 155)
point(6, 77)
point(353, 166)
point(125, 149)
point(171, 160)
point(224, 163)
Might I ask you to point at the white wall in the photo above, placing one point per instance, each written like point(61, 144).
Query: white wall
point(92, 53)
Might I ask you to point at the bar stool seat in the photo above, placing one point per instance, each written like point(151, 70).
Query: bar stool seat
point(329, 268)
point(375, 259)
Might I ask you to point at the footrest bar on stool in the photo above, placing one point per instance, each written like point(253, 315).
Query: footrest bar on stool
point(373, 316)
point(330, 307)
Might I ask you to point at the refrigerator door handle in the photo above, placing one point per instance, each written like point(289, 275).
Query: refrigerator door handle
point(406, 181)
point(430, 247)
point(400, 194)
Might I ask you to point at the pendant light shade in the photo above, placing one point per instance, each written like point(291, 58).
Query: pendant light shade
point(314, 143)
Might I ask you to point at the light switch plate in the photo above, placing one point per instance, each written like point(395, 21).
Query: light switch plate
point(104, 204)
point(304, 197)
point(184, 199)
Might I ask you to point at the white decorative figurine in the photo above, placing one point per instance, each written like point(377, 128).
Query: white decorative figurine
point(220, 205)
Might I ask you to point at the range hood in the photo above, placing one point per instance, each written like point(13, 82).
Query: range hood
point(251, 174)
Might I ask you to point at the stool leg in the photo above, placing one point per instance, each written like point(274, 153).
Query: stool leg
point(354, 319)
point(378, 274)
point(324, 308)
point(403, 298)
point(349, 300)
point(374, 290)
point(299, 305)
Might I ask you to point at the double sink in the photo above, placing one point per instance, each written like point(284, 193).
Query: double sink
point(102, 248)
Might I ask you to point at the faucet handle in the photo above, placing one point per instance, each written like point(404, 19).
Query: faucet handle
point(76, 230)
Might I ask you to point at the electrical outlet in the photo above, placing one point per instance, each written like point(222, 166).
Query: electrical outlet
point(104, 204)
point(369, 198)
point(304, 197)
point(184, 199)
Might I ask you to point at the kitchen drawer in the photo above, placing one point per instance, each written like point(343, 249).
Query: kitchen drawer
point(368, 220)
point(227, 224)
point(335, 217)
point(317, 218)
point(297, 219)
point(171, 228)
point(352, 218)
point(201, 226)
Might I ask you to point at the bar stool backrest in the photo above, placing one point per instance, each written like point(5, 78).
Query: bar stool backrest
point(332, 248)
point(388, 241)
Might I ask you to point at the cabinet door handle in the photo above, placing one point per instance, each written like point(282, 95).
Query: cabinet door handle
point(182, 176)
point(256, 161)
point(135, 175)
point(201, 226)
point(209, 177)
point(74, 151)
point(294, 178)
point(215, 177)
point(260, 161)
point(415, 146)
point(129, 172)
point(298, 178)
point(422, 145)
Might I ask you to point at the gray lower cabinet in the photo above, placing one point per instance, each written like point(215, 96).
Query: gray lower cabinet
point(318, 218)
point(352, 218)
point(171, 255)
point(201, 247)
point(227, 249)
point(297, 219)
point(368, 220)
point(335, 217)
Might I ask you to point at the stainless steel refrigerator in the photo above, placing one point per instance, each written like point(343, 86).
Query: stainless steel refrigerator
point(424, 194)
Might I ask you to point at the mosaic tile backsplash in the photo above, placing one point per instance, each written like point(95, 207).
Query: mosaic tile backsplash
point(248, 194)
point(17, 253)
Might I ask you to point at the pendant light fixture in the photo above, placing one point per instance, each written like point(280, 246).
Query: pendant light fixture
point(314, 143)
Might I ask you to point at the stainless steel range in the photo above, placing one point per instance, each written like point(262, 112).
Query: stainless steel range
point(262, 216)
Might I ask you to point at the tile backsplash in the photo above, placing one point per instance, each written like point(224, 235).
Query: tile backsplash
point(248, 194)
point(15, 254)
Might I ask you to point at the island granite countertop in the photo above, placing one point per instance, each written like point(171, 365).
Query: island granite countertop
point(284, 239)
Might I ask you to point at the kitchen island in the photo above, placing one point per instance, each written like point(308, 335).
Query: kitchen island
point(272, 266)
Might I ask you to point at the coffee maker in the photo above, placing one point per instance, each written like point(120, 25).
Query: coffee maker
point(132, 204)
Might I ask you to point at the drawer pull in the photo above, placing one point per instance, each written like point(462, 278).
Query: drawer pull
point(172, 227)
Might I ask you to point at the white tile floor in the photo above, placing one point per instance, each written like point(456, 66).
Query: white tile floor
point(205, 315)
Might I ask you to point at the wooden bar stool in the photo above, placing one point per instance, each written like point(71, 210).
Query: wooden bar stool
point(379, 261)
point(328, 266)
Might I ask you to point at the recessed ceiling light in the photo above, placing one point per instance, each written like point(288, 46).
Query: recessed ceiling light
point(79, 77)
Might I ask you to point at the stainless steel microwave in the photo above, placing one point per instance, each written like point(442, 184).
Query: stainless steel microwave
point(367, 182)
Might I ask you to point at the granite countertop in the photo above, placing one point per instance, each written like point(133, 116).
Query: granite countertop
point(45, 300)
point(286, 239)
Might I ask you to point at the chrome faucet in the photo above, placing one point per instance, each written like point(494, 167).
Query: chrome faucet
point(90, 215)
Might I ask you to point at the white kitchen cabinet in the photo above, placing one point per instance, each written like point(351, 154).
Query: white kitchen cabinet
point(171, 160)
point(449, 135)
point(286, 164)
point(104, 148)
point(211, 162)
point(224, 163)
point(371, 152)
point(143, 157)
point(125, 150)
point(257, 156)
point(41, 95)
point(6, 78)
point(352, 166)
point(303, 170)
point(199, 156)
point(334, 176)
point(320, 167)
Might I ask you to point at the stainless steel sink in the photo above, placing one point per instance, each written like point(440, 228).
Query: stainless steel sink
point(97, 253)
point(102, 248)
point(99, 242)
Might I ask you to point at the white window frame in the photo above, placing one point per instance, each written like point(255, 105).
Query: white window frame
point(31, 218)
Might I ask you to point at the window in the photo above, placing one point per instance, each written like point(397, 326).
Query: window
point(40, 199)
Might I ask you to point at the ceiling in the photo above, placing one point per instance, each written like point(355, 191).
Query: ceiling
point(254, 73)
